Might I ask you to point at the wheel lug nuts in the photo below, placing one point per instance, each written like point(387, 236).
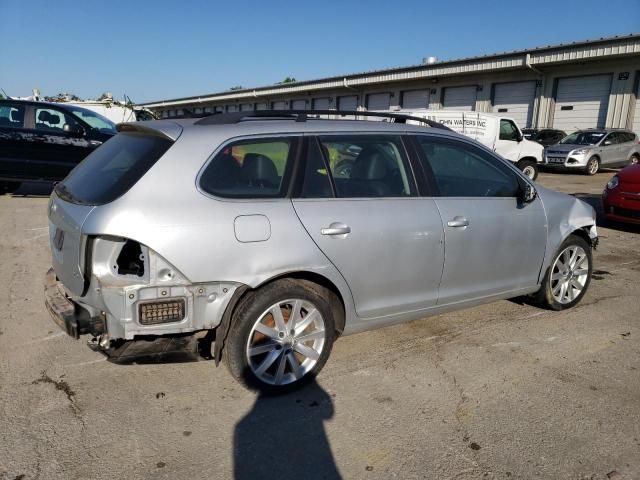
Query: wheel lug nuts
point(293, 332)
point(281, 334)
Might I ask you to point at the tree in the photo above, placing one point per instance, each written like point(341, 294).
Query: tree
point(287, 80)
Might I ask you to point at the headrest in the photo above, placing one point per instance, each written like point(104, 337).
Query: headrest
point(16, 115)
point(54, 119)
point(44, 116)
point(371, 164)
point(259, 168)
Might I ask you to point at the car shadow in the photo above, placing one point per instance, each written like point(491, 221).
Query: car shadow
point(595, 200)
point(284, 437)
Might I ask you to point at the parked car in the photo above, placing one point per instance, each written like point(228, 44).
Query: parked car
point(621, 196)
point(237, 224)
point(588, 150)
point(44, 141)
point(544, 136)
point(499, 133)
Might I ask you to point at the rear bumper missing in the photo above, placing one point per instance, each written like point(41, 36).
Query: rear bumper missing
point(68, 315)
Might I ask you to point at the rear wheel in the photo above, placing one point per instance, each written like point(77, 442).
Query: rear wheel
point(569, 275)
point(529, 168)
point(280, 338)
point(593, 165)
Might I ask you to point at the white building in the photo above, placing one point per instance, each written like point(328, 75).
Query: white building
point(592, 83)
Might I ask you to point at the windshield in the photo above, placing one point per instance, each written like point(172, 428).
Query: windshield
point(95, 120)
point(112, 169)
point(583, 138)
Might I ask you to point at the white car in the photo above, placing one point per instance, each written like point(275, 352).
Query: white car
point(501, 134)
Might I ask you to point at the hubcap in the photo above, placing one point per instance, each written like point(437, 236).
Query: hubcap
point(569, 274)
point(529, 172)
point(593, 167)
point(286, 342)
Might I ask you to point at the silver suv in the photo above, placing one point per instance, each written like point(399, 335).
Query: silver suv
point(588, 150)
point(247, 226)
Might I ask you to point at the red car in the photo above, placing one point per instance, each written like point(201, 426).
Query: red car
point(621, 197)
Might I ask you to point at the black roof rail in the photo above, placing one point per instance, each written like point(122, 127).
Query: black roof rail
point(303, 115)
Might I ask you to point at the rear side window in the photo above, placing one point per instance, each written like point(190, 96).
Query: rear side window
point(368, 166)
point(12, 116)
point(253, 168)
point(54, 120)
point(112, 169)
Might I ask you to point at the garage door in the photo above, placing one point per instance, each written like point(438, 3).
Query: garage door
point(460, 98)
point(581, 102)
point(415, 99)
point(299, 105)
point(245, 107)
point(281, 105)
point(378, 101)
point(349, 102)
point(321, 103)
point(262, 106)
point(636, 115)
point(232, 108)
point(515, 100)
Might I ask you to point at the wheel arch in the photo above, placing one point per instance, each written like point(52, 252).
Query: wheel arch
point(321, 284)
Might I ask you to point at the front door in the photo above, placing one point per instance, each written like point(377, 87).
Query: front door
point(507, 144)
point(58, 147)
point(368, 220)
point(493, 244)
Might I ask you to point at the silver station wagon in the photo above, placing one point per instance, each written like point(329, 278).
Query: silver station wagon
point(278, 232)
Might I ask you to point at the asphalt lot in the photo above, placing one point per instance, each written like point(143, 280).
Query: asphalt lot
point(499, 391)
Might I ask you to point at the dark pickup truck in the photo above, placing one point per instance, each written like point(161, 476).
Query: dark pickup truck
point(42, 141)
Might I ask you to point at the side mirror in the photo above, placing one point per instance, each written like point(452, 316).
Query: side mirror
point(606, 143)
point(519, 136)
point(527, 192)
point(77, 131)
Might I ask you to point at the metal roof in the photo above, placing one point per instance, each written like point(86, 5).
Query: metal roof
point(536, 57)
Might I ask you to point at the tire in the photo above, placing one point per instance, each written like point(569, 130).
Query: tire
point(592, 167)
point(551, 293)
point(264, 357)
point(529, 168)
point(635, 159)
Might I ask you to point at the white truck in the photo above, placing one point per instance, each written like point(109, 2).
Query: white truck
point(499, 133)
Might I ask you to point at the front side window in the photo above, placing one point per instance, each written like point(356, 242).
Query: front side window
point(508, 130)
point(462, 170)
point(54, 121)
point(582, 138)
point(368, 165)
point(12, 116)
point(94, 119)
point(249, 169)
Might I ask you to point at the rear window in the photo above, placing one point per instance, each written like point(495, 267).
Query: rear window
point(112, 169)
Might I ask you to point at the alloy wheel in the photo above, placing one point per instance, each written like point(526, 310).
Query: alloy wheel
point(286, 342)
point(569, 274)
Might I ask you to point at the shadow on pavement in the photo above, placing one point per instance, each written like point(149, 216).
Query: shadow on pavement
point(284, 437)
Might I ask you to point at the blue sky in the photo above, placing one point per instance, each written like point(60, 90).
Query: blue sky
point(153, 50)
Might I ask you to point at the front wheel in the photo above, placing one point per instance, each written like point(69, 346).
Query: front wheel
point(280, 338)
point(635, 158)
point(568, 277)
point(529, 168)
point(593, 165)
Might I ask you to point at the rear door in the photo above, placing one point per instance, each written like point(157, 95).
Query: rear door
point(368, 220)
point(493, 244)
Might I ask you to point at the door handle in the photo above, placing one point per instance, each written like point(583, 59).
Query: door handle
point(458, 222)
point(336, 228)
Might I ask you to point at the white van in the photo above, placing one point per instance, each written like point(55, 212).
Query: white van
point(501, 134)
